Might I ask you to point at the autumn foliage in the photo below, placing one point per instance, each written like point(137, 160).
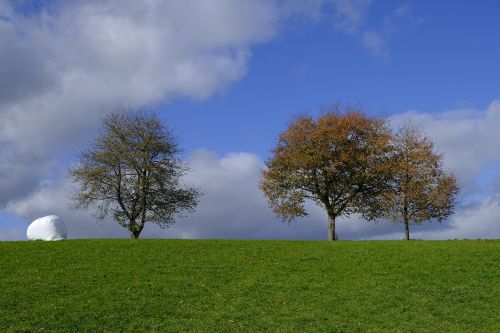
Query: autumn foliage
point(420, 189)
point(348, 162)
point(339, 161)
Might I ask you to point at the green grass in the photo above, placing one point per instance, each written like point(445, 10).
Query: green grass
point(286, 286)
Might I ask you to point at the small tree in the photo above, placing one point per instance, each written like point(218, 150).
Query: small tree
point(339, 161)
point(132, 172)
point(420, 190)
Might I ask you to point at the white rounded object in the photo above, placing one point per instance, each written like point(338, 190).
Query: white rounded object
point(47, 228)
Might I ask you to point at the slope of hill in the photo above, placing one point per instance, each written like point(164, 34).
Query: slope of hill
point(217, 285)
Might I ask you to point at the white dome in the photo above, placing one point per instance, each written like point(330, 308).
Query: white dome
point(47, 228)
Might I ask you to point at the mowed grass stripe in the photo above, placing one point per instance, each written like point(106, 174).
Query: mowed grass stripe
point(219, 285)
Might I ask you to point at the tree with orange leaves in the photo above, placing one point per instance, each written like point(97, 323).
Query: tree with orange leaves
point(339, 160)
point(421, 190)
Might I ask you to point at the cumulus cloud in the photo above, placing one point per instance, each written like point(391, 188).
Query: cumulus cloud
point(232, 206)
point(473, 221)
point(468, 139)
point(64, 65)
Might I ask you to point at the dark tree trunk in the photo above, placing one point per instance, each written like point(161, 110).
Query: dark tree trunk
point(331, 227)
point(134, 229)
point(407, 229)
point(406, 219)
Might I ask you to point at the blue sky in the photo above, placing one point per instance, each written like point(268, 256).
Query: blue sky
point(440, 57)
point(227, 76)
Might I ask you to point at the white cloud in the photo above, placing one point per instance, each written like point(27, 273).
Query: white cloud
point(54, 199)
point(232, 206)
point(467, 138)
point(479, 220)
point(62, 67)
point(67, 64)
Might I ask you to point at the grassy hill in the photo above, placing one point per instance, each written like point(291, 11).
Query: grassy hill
point(215, 285)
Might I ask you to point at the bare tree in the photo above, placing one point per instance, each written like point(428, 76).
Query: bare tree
point(340, 161)
point(132, 172)
point(421, 190)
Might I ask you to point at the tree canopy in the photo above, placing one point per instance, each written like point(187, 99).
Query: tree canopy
point(421, 190)
point(132, 171)
point(339, 161)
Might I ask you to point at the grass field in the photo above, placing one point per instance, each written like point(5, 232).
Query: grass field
point(286, 286)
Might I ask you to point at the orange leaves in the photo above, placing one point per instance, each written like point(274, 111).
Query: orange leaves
point(349, 162)
point(421, 190)
point(336, 160)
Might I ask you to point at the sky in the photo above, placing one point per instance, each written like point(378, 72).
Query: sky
point(227, 77)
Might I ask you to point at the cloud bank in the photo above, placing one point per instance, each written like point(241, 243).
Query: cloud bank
point(66, 63)
point(63, 65)
point(233, 206)
point(468, 138)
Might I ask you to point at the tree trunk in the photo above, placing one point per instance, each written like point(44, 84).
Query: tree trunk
point(407, 229)
point(134, 229)
point(406, 219)
point(331, 228)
